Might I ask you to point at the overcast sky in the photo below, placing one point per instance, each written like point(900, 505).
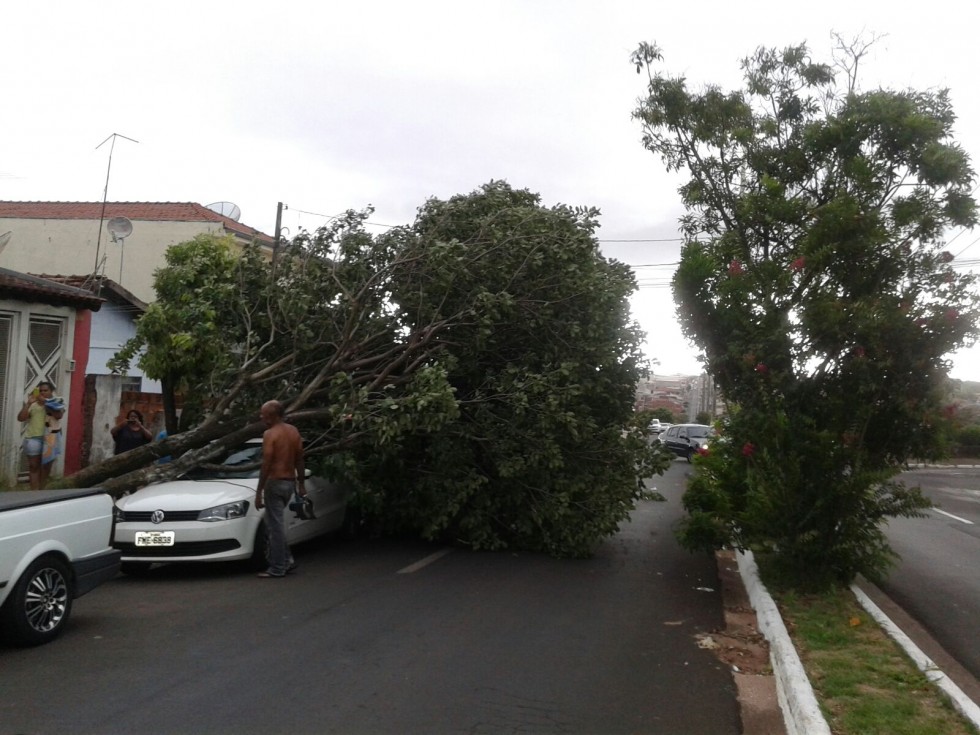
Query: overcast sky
point(327, 106)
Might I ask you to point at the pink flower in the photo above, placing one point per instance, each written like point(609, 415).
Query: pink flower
point(703, 451)
point(762, 368)
point(798, 264)
point(735, 268)
point(951, 315)
point(748, 449)
point(859, 351)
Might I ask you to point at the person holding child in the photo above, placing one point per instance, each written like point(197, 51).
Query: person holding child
point(41, 411)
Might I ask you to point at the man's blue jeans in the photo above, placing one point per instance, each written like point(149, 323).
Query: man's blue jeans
point(278, 493)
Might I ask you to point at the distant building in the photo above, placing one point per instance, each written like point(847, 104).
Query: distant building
point(665, 391)
point(683, 395)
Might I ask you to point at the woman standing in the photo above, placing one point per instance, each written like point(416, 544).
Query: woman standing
point(130, 433)
point(35, 414)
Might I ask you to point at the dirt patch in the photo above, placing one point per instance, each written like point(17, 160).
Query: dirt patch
point(740, 644)
point(746, 652)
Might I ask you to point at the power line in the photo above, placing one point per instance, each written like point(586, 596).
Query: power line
point(666, 239)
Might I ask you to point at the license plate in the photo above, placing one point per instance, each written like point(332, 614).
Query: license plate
point(154, 538)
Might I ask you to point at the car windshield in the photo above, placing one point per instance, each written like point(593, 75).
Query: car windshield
point(238, 463)
point(697, 432)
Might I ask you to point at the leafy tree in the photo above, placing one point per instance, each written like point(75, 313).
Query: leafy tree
point(186, 338)
point(545, 453)
point(315, 328)
point(814, 280)
point(472, 375)
point(663, 414)
point(703, 417)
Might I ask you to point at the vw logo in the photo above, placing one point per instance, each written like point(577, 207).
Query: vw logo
point(157, 516)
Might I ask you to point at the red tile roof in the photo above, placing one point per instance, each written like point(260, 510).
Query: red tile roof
point(101, 286)
point(24, 287)
point(140, 211)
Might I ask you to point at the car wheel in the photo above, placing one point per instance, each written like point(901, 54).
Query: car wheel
point(259, 561)
point(40, 603)
point(135, 568)
point(690, 455)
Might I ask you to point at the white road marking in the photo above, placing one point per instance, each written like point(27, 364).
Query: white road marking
point(424, 562)
point(955, 518)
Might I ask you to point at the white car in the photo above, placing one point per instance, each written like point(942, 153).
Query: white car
point(209, 515)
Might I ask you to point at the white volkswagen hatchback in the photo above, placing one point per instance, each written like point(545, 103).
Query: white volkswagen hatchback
point(209, 515)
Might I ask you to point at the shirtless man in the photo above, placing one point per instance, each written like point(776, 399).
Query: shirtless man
point(283, 471)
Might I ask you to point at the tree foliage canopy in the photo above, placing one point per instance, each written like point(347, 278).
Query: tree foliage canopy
point(315, 327)
point(473, 375)
point(814, 280)
point(544, 453)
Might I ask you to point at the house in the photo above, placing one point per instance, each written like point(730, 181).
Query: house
point(45, 330)
point(112, 326)
point(75, 237)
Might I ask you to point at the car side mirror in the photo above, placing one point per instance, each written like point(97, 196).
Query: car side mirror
point(307, 474)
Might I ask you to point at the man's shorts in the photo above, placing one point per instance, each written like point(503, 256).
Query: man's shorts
point(33, 446)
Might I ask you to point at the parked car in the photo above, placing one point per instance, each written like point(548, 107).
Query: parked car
point(209, 515)
point(54, 547)
point(685, 440)
point(655, 426)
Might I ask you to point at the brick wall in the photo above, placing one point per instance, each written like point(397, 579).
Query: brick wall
point(96, 416)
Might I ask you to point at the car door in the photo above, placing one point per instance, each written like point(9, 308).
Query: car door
point(670, 439)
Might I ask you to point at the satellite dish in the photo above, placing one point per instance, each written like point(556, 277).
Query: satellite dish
point(226, 209)
point(4, 239)
point(120, 228)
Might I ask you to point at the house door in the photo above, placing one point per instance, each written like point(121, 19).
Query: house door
point(45, 345)
point(44, 348)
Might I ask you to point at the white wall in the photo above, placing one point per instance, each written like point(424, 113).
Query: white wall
point(67, 247)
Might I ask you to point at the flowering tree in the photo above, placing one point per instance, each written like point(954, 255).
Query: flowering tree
point(815, 281)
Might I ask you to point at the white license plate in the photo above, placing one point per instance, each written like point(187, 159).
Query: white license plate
point(154, 538)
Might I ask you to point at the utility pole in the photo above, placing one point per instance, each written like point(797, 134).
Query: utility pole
point(275, 244)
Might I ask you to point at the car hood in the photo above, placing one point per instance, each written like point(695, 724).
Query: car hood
point(188, 495)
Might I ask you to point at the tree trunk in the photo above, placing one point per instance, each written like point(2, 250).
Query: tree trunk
point(130, 470)
point(169, 405)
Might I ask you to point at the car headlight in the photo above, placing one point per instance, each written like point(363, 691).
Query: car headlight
point(224, 512)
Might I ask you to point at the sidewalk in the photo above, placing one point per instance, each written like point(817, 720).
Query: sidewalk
point(797, 703)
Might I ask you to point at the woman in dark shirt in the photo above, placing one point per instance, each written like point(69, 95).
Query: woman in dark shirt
point(130, 433)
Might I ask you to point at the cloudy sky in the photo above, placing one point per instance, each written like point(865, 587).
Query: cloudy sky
point(327, 106)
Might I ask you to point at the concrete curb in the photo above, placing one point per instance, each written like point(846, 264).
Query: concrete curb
point(801, 712)
point(963, 704)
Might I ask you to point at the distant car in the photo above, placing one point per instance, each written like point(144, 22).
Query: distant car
point(685, 440)
point(209, 515)
point(655, 426)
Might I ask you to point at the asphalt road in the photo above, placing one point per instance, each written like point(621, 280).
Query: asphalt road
point(937, 580)
point(394, 637)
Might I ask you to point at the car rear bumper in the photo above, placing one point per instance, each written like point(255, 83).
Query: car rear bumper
point(93, 571)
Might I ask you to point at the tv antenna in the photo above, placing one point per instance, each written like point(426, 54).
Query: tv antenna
point(105, 193)
point(120, 228)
